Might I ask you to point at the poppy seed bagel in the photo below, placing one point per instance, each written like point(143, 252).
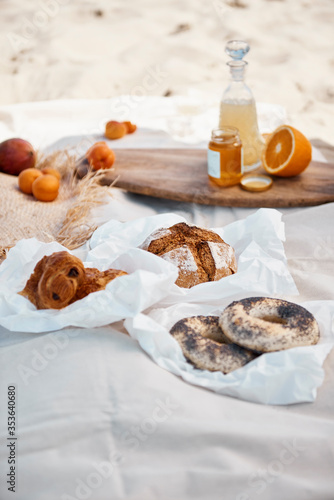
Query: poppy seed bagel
point(204, 344)
point(265, 325)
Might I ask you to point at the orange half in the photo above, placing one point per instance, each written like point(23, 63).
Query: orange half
point(287, 152)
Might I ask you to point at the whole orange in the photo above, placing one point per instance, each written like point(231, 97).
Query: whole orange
point(51, 171)
point(26, 179)
point(45, 187)
point(100, 156)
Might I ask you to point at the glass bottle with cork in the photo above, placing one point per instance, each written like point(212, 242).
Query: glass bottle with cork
point(238, 107)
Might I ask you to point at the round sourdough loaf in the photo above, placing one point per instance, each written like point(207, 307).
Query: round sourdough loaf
point(201, 255)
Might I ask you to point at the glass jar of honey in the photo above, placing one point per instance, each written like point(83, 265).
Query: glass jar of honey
point(225, 166)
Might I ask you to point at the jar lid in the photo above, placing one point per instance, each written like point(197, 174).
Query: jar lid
point(225, 134)
point(253, 182)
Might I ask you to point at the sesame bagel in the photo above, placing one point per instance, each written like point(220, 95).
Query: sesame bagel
point(265, 325)
point(206, 347)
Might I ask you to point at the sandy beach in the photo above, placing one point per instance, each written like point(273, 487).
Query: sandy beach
point(59, 49)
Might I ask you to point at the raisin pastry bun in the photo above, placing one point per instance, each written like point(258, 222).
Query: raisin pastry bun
point(60, 279)
point(201, 255)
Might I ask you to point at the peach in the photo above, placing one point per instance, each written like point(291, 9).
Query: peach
point(115, 130)
point(51, 171)
point(130, 127)
point(45, 187)
point(100, 156)
point(26, 179)
point(16, 155)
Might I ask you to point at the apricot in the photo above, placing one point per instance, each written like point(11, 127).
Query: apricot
point(26, 179)
point(16, 155)
point(45, 187)
point(130, 127)
point(115, 130)
point(51, 171)
point(100, 156)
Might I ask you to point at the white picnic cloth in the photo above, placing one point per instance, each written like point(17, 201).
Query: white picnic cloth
point(98, 419)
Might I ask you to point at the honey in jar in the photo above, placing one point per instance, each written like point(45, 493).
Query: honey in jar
point(225, 167)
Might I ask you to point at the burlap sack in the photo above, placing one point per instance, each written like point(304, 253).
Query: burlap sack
point(66, 219)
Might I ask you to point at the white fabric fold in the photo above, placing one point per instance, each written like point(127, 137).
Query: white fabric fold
point(278, 378)
point(257, 240)
point(149, 279)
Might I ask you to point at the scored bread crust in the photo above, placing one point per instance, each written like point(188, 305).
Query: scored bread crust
point(204, 344)
point(266, 324)
point(200, 254)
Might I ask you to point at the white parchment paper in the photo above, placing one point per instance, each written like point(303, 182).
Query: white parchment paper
point(279, 378)
point(148, 281)
point(257, 240)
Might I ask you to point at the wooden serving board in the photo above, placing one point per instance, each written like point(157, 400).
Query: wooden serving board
point(181, 175)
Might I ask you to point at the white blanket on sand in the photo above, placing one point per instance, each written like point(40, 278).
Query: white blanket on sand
point(97, 418)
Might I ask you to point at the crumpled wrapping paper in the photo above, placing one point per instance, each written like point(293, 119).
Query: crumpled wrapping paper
point(257, 240)
point(148, 282)
point(278, 378)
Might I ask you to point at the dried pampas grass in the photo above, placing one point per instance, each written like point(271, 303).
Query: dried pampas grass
point(66, 219)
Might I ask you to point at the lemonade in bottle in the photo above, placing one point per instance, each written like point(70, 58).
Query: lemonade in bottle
point(238, 109)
